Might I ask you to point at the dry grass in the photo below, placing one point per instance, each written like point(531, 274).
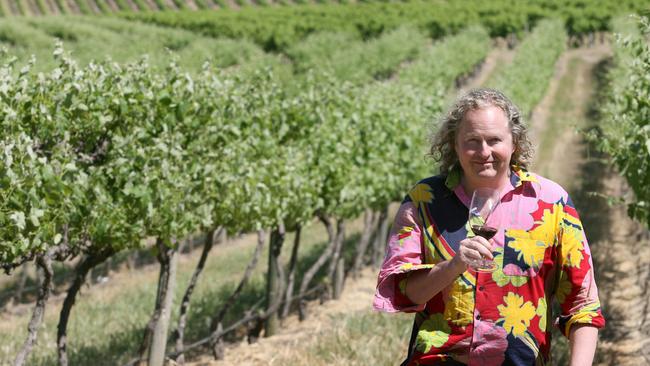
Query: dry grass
point(357, 339)
point(106, 323)
point(340, 332)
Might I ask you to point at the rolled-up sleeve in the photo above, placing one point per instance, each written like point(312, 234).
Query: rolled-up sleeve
point(576, 292)
point(403, 256)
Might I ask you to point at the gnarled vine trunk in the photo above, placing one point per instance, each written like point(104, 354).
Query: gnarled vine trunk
point(45, 264)
point(292, 274)
point(179, 334)
point(216, 343)
point(336, 268)
point(155, 339)
point(379, 246)
point(311, 272)
point(81, 271)
point(275, 281)
point(370, 219)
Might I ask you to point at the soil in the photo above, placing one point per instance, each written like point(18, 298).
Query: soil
point(619, 245)
point(566, 146)
point(500, 55)
point(622, 260)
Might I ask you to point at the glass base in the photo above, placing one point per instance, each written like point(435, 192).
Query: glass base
point(485, 265)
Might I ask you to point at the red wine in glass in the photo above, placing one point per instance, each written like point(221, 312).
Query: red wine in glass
point(483, 204)
point(484, 231)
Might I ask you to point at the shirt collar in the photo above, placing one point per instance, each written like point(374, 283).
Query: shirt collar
point(520, 176)
point(517, 178)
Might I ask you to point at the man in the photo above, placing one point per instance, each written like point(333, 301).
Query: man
point(541, 253)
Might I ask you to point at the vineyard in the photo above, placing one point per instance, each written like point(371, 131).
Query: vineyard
point(191, 179)
point(58, 7)
point(574, 9)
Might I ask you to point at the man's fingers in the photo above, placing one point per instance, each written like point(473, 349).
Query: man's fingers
point(476, 248)
point(482, 241)
point(483, 247)
point(485, 252)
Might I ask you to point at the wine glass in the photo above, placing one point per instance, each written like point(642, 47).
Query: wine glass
point(482, 223)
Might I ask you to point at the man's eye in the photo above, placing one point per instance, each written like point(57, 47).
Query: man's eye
point(494, 141)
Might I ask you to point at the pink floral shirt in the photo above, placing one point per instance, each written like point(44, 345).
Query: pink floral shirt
point(500, 317)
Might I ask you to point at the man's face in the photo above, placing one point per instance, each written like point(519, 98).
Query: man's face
point(484, 145)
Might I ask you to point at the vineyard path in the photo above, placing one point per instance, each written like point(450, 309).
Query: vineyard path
point(551, 147)
point(564, 156)
point(498, 57)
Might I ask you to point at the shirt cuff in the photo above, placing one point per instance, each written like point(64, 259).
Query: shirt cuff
point(590, 314)
point(391, 292)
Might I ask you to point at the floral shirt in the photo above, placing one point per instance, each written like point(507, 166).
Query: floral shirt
point(500, 317)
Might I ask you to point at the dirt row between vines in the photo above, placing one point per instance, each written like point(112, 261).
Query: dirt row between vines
point(623, 263)
point(619, 245)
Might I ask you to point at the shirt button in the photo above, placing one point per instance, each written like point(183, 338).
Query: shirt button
point(478, 316)
point(481, 288)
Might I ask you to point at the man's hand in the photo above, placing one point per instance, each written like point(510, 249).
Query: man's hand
point(472, 250)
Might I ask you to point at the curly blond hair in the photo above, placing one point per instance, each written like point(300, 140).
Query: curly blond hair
point(444, 140)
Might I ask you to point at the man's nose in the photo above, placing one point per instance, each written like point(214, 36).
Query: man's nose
point(484, 150)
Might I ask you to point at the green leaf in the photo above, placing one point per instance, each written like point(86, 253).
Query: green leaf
point(18, 218)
